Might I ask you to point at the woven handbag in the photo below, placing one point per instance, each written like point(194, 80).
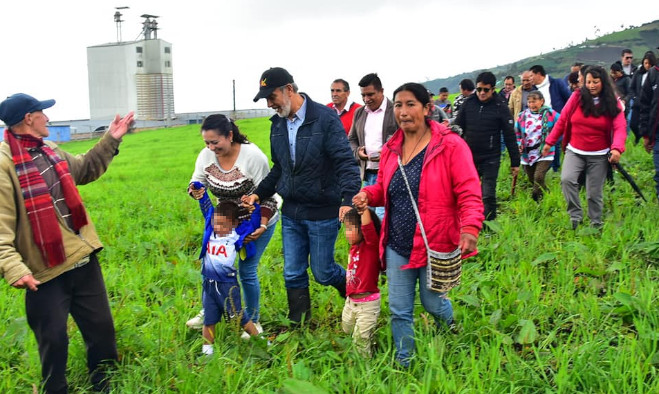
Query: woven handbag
point(444, 269)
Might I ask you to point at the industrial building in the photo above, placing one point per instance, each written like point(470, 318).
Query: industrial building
point(129, 75)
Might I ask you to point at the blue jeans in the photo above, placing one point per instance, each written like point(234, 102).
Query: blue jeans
point(249, 278)
point(402, 290)
point(370, 179)
point(655, 157)
point(310, 243)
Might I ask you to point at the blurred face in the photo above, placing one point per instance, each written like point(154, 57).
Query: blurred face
point(574, 69)
point(594, 85)
point(222, 225)
point(534, 103)
point(37, 122)
point(220, 145)
point(527, 80)
point(484, 92)
point(280, 101)
point(372, 97)
point(627, 59)
point(646, 64)
point(339, 94)
point(615, 74)
point(409, 112)
point(353, 236)
point(508, 85)
point(443, 96)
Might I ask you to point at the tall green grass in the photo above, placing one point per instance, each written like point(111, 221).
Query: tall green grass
point(541, 309)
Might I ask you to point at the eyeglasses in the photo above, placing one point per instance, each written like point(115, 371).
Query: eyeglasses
point(486, 90)
point(629, 57)
point(336, 90)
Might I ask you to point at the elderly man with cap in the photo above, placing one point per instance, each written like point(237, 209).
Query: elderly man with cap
point(48, 243)
point(317, 176)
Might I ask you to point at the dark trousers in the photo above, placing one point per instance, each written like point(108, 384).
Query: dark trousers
point(488, 171)
point(80, 292)
point(536, 174)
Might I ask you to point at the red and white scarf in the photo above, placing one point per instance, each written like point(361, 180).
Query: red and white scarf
point(38, 202)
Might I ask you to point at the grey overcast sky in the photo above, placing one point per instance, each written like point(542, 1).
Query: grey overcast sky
point(214, 42)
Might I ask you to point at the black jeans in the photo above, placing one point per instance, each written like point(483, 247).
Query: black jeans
point(80, 292)
point(488, 171)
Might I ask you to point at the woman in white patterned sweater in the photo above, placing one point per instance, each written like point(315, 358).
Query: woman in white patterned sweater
point(230, 167)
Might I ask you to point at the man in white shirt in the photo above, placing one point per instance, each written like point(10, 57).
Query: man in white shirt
point(372, 126)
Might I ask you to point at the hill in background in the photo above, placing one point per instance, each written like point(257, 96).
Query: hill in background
point(602, 51)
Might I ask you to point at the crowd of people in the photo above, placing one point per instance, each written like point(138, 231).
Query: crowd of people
point(412, 179)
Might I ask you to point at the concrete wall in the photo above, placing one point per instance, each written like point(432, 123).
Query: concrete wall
point(56, 133)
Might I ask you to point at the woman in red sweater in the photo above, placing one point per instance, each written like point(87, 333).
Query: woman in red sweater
point(594, 128)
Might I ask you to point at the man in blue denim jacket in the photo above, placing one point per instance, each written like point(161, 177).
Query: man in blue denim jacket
point(316, 174)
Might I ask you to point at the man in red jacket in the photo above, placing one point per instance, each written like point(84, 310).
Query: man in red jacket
point(341, 103)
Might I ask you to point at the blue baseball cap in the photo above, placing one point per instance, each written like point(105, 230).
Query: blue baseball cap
point(16, 106)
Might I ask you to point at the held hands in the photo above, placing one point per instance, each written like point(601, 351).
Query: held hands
point(27, 282)
point(197, 194)
point(248, 202)
point(120, 126)
point(360, 201)
point(514, 171)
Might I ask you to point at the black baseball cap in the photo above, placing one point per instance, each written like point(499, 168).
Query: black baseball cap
point(272, 79)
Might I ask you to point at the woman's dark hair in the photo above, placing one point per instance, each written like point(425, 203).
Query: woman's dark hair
point(649, 55)
point(353, 218)
point(608, 102)
point(222, 125)
point(419, 91)
point(573, 77)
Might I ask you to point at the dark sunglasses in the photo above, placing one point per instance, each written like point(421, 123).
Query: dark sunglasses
point(336, 90)
point(629, 57)
point(486, 90)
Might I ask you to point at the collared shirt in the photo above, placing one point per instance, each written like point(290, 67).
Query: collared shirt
point(373, 132)
point(294, 125)
point(544, 89)
point(345, 109)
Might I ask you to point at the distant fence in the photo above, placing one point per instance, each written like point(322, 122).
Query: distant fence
point(91, 128)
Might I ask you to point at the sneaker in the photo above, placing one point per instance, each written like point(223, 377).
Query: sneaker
point(246, 336)
point(197, 322)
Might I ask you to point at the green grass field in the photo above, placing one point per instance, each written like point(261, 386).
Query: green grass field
point(541, 309)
